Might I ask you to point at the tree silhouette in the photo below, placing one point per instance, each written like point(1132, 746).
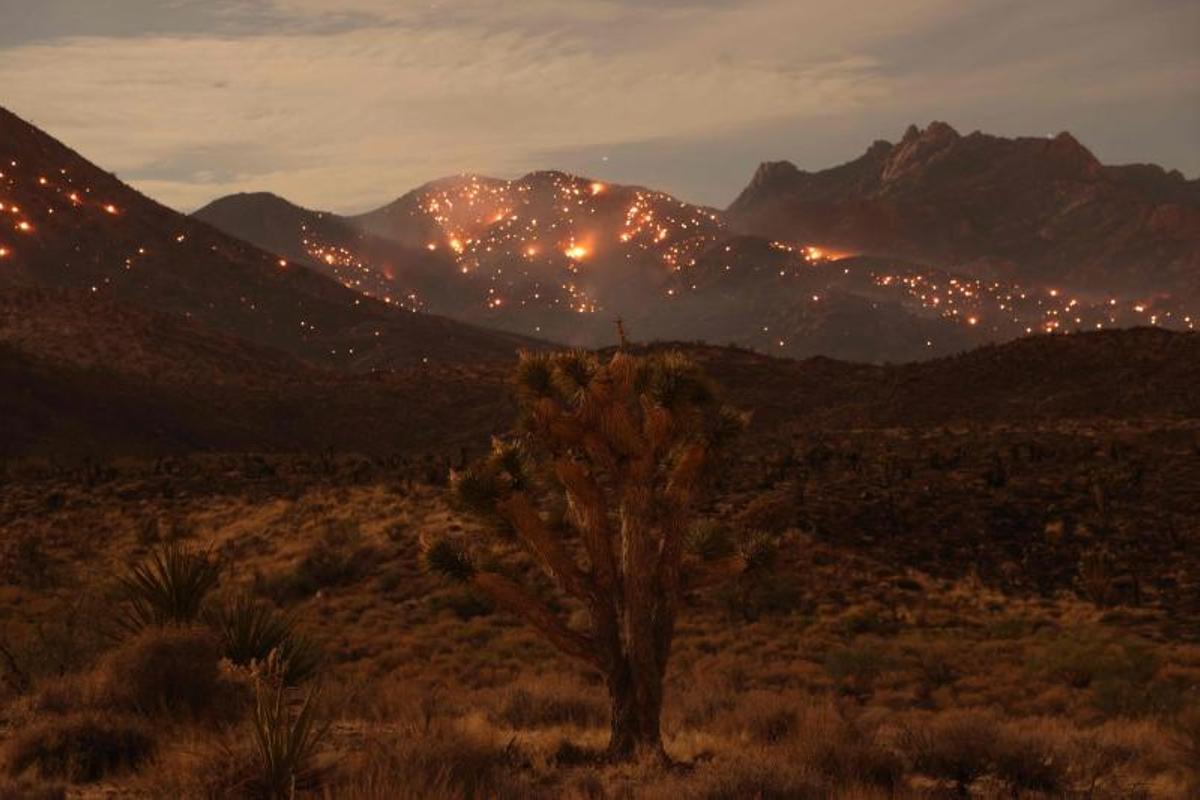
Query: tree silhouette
point(626, 448)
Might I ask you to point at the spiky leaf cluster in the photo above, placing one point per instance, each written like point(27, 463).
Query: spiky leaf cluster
point(479, 487)
point(448, 559)
point(253, 632)
point(169, 587)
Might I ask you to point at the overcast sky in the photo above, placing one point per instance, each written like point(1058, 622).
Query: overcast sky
point(345, 105)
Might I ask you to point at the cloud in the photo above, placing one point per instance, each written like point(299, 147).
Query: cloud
point(347, 108)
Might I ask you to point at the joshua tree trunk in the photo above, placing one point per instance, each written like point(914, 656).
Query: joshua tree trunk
point(636, 710)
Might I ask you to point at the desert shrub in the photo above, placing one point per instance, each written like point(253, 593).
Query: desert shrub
point(24, 560)
point(250, 631)
point(753, 775)
point(169, 587)
point(816, 735)
point(934, 668)
point(870, 619)
point(1027, 762)
point(63, 638)
point(168, 671)
point(524, 709)
point(750, 599)
point(465, 604)
point(79, 748)
point(1121, 675)
point(27, 790)
point(286, 743)
point(956, 746)
point(338, 557)
point(444, 765)
point(854, 669)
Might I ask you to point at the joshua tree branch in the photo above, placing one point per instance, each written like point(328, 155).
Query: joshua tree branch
point(592, 509)
point(516, 600)
point(519, 511)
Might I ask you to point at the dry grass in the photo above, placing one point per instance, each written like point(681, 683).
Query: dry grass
point(857, 672)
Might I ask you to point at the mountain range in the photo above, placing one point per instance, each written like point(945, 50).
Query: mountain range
point(258, 324)
point(1037, 211)
point(927, 247)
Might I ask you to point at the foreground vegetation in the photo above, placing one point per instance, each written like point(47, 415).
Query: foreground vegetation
point(1027, 635)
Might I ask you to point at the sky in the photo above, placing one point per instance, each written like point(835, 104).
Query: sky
point(346, 105)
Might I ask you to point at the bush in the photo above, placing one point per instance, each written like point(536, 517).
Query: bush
point(336, 558)
point(168, 671)
point(443, 765)
point(251, 632)
point(79, 748)
point(24, 790)
point(956, 746)
point(167, 588)
point(854, 669)
point(1029, 763)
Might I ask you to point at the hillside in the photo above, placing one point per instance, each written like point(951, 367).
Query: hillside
point(562, 256)
point(1042, 212)
point(88, 376)
point(74, 226)
point(68, 398)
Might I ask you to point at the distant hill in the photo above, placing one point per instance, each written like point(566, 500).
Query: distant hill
point(91, 376)
point(563, 256)
point(147, 384)
point(1041, 212)
point(70, 225)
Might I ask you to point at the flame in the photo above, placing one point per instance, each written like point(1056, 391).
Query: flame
point(576, 252)
point(598, 187)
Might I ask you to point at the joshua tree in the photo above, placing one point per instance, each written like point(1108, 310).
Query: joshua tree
point(626, 449)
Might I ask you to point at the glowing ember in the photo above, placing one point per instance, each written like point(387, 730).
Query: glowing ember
point(3, 252)
point(597, 187)
point(24, 227)
point(576, 252)
point(110, 208)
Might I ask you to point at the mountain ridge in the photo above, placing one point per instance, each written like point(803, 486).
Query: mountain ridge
point(1039, 211)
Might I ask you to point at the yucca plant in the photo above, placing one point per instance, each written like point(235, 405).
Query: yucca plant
point(169, 587)
point(253, 632)
point(628, 446)
point(286, 742)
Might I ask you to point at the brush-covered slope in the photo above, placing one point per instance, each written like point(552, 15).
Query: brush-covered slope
point(68, 224)
point(562, 256)
point(1038, 211)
